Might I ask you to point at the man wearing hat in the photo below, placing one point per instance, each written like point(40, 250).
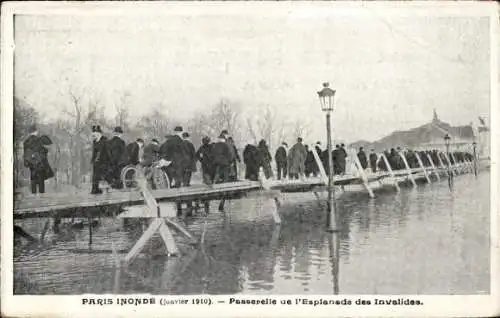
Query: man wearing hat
point(221, 156)
point(117, 156)
point(100, 160)
point(171, 150)
point(373, 160)
point(189, 153)
point(33, 160)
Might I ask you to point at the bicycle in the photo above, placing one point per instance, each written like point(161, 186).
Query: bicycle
point(155, 173)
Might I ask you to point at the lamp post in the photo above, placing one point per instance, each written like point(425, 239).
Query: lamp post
point(474, 144)
point(326, 98)
point(447, 144)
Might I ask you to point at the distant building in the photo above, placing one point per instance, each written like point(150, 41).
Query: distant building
point(462, 137)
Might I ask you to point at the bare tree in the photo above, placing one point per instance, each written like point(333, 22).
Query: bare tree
point(268, 126)
point(225, 116)
point(122, 113)
point(301, 129)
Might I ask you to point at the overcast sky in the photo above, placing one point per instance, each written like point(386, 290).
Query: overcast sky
point(389, 72)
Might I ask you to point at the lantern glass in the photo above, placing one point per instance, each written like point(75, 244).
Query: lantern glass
point(327, 98)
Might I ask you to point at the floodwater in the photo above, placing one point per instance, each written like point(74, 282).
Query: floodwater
point(428, 240)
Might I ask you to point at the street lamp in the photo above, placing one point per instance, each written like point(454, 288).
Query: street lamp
point(474, 144)
point(326, 99)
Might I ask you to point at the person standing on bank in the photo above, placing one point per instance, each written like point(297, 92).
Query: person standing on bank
point(117, 151)
point(172, 150)
point(204, 156)
point(35, 159)
point(373, 160)
point(221, 157)
point(362, 158)
point(189, 153)
point(296, 160)
point(100, 160)
point(265, 159)
point(280, 158)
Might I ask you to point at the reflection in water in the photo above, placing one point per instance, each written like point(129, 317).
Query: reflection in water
point(334, 244)
point(424, 240)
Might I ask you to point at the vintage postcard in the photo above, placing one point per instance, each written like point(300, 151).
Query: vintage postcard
point(250, 159)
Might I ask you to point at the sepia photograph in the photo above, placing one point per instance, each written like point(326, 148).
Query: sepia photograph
point(192, 150)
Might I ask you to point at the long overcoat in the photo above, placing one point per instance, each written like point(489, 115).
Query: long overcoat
point(296, 159)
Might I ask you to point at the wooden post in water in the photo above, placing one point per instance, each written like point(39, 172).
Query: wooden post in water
point(410, 174)
point(421, 164)
point(322, 170)
point(433, 167)
point(362, 173)
point(457, 164)
point(475, 158)
point(389, 168)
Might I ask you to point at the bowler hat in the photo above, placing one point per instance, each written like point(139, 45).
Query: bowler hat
point(185, 134)
point(118, 130)
point(224, 132)
point(155, 140)
point(178, 128)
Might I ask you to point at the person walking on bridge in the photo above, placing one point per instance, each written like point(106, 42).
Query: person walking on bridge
point(281, 162)
point(221, 157)
point(265, 159)
point(172, 150)
point(204, 156)
point(296, 160)
point(234, 159)
point(362, 158)
point(100, 160)
point(35, 159)
point(189, 162)
point(118, 157)
point(373, 160)
point(133, 152)
point(251, 161)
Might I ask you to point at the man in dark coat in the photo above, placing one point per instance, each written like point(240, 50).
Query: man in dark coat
point(117, 151)
point(204, 155)
point(35, 159)
point(172, 150)
point(133, 151)
point(221, 156)
point(189, 162)
point(309, 163)
point(251, 160)
point(337, 154)
point(362, 158)
point(234, 159)
point(342, 159)
point(100, 160)
point(281, 160)
point(265, 159)
point(373, 160)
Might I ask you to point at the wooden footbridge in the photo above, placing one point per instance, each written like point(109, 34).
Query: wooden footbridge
point(162, 205)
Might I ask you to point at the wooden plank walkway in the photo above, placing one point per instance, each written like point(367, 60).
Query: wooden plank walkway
point(51, 204)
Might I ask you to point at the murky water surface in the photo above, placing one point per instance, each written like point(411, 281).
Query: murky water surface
point(428, 240)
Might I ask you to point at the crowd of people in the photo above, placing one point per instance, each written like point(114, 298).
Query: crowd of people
point(219, 159)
